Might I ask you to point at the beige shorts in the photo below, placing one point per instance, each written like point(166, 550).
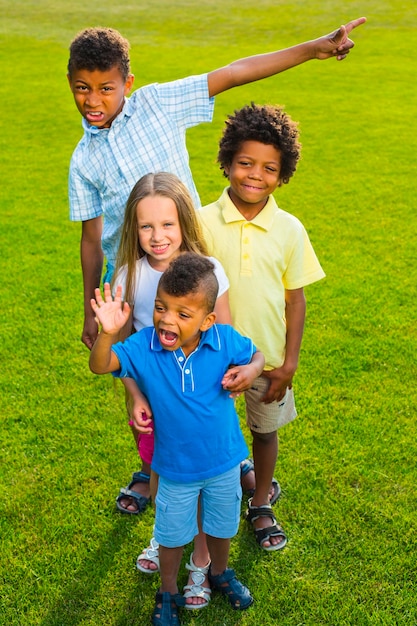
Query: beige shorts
point(266, 418)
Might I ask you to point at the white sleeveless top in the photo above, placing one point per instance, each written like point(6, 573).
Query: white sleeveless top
point(147, 279)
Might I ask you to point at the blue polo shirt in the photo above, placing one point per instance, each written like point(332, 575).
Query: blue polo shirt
point(197, 432)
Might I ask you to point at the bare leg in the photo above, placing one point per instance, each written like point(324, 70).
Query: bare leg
point(219, 552)
point(170, 560)
point(201, 558)
point(265, 453)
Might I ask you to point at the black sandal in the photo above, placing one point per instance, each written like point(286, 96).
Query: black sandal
point(167, 614)
point(126, 492)
point(237, 594)
point(263, 534)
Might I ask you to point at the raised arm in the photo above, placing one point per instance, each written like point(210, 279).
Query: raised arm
point(336, 44)
point(112, 315)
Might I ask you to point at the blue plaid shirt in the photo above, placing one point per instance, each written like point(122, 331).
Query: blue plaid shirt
point(147, 136)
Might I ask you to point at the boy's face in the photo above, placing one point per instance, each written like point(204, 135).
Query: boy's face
point(253, 175)
point(180, 320)
point(99, 96)
point(159, 230)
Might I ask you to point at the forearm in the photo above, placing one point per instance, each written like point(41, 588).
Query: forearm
point(260, 66)
point(264, 65)
point(258, 361)
point(295, 312)
point(91, 265)
point(102, 359)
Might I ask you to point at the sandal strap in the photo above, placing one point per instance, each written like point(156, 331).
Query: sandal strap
point(150, 553)
point(270, 531)
point(255, 512)
point(166, 614)
point(192, 567)
point(227, 583)
point(139, 477)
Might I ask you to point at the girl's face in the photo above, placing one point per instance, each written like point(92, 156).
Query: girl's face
point(159, 230)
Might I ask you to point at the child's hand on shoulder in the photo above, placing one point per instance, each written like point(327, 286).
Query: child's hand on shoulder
point(111, 313)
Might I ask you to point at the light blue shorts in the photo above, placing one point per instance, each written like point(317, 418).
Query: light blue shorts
point(177, 503)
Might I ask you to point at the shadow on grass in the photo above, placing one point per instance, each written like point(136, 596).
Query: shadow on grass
point(78, 599)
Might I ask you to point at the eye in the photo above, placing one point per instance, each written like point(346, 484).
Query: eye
point(184, 316)
point(107, 89)
point(272, 169)
point(144, 227)
point(244, 163)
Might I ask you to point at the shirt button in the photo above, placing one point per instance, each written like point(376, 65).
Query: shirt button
point(180, 359)
point(187, 371)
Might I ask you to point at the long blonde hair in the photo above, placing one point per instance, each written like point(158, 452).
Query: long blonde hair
point(130, 250)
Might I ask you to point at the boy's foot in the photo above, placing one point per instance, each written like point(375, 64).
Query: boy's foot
point(135, 497)
point(248, 482)
point(165, 612)
point(197, 590)
point(227, 583)
point(269, 535)
point(148, 561)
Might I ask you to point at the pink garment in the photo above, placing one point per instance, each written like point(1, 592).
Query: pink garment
point(145, 445)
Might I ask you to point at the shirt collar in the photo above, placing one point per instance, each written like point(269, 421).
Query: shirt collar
point(208, 338)
point(230, 213)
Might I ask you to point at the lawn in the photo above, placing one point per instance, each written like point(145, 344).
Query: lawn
point(347, 465)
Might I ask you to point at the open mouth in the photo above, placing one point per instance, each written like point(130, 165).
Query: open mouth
point(167, 338)
point(94, 116)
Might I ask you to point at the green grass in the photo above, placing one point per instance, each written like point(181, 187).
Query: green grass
point(348, 464)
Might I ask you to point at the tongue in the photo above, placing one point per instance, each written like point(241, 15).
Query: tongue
point(169, 336)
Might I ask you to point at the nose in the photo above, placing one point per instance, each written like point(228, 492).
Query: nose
point(93, 98)
point(256, 172)
point(157, 234)
point(167, 317)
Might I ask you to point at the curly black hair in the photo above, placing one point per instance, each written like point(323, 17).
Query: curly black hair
point(191, 273)
point(268, 124)
point(99, 49)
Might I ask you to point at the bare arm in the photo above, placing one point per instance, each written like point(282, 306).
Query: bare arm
point(240, 377)
point(112, 315)
point(336, 44)
point(222, 309)
point(281, 377)
point(92, 265)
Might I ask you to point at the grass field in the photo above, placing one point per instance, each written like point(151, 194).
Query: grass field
point(347, 465)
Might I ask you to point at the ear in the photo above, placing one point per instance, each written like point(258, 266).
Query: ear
point(129, 83)
point(208, 321)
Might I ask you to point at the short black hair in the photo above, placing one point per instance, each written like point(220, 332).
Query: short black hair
point(268, 124)
point(99, 49)
point(191, 273)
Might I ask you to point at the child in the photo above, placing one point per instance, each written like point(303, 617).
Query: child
point(188, 368)
point(268, 258)
point(160, 222)
point(127, 138)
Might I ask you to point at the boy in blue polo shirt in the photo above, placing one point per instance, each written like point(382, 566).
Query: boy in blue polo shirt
point(190, 369)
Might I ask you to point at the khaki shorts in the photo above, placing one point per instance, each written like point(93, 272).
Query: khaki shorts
point(267, 418)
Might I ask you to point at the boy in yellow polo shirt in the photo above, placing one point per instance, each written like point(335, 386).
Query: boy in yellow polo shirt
point(269, 259)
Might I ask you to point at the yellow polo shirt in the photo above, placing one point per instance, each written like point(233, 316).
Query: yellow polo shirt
point(262, 258)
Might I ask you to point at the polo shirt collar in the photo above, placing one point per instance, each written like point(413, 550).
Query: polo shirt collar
point(230, 213)
point(209, 338)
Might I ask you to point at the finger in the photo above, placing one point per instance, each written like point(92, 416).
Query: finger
point(354, 24)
